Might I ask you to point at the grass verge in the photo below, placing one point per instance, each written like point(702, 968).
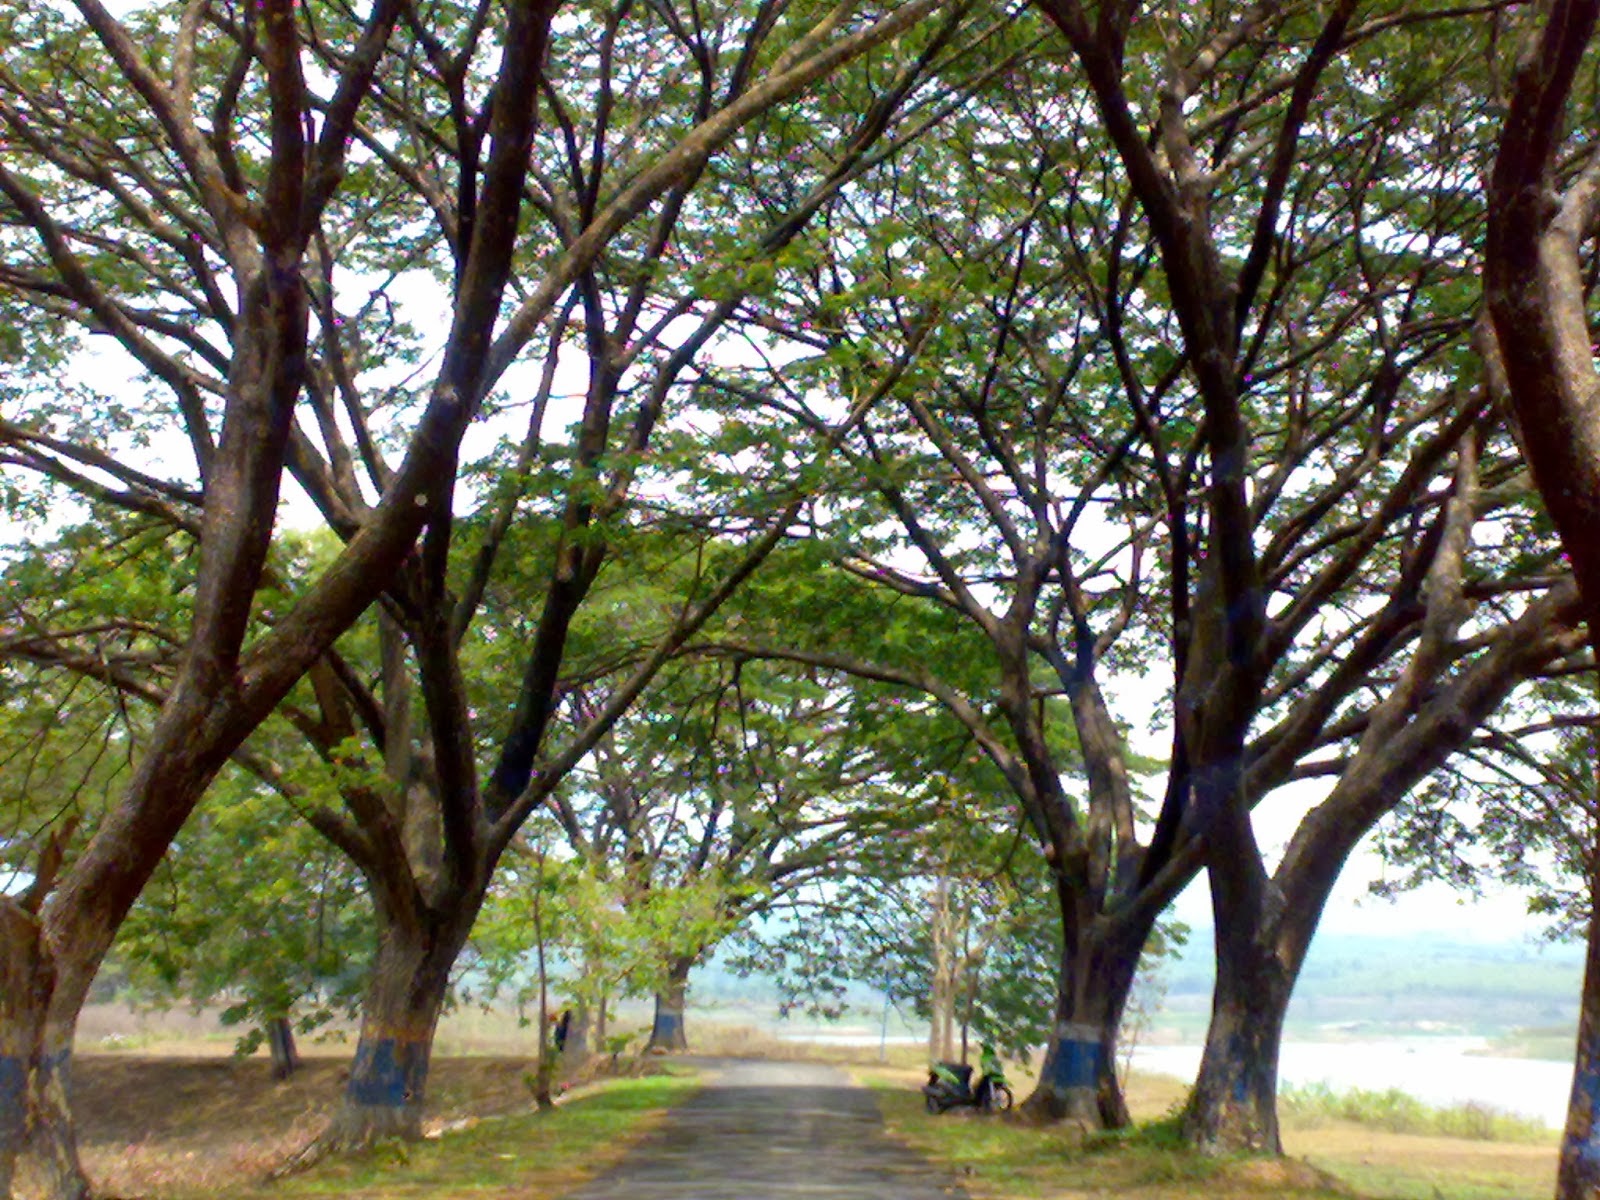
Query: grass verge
point(527, 1154)
point(1008, 1159)
point(999, 1159)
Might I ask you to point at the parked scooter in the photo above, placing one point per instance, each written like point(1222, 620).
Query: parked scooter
point(950, 1086)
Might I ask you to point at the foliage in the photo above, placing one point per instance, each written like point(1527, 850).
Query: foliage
point(1521, 809)
point(278, 934)
point(84, 648)
point(945, 884)
point(607, 937)
point(1020, 359)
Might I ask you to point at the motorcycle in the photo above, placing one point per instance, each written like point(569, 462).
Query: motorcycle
point(950, 1086)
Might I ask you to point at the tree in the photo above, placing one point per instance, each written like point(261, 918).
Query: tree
point(608, 939)
point(276, 946)
point(1253, 324)
point(251, 227)
point(184, 194)
point(486, 649)
point(731, 780)
point(93, 618)
point(1541, 212)
point(948, 928)
point(1250, 277)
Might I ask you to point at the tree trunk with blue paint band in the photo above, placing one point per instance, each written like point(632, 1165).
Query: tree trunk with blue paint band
point(667, 1032)
point(1078, 1078)
point(38, 1148)
point(1234, 1104)
point(388, 1079)
point(38, 1152)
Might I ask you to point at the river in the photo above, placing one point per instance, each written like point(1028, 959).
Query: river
point(1442, 1071)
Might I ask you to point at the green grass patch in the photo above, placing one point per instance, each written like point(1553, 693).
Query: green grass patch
point(1016, 1159)
point(1001, 1158)
point(1394, 1181)
point(525, 1154)
point(1395, 1111)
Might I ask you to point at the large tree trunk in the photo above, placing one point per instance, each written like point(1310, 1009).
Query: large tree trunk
point(667, 1033)
point(38, 1147)
point(385, 1093)
point(1578, 1177)
point(1078, 1079)
point(1234, 1104)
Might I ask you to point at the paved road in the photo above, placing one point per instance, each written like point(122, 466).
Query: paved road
point(761, 1130)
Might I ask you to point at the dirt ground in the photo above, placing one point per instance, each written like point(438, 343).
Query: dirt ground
point(145, 1123)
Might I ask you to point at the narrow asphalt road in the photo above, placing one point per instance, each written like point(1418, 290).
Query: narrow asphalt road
point(772, 1129)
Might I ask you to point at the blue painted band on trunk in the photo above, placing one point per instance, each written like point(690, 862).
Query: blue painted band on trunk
point(669, 1025)
point(13, 1094)
point(1238, 1055)
point(1078, 1062)
point(388, 1073)
point(1586, 1084)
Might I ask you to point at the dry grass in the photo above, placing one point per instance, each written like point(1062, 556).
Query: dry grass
point(148, 1124)
point(1413, 1167)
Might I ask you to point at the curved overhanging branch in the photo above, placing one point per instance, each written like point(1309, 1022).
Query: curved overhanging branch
point(809, 59)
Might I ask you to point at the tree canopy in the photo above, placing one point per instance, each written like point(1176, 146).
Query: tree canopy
point(774, 450)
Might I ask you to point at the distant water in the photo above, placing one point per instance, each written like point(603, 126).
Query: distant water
point(1441, 1071)
point(848, 1037)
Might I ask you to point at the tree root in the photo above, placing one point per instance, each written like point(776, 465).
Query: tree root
point(334, 1142)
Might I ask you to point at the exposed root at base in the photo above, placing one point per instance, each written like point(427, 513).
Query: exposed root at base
point(302, 1159)
point(332, 1144)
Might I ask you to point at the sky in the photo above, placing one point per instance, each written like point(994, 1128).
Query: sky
point(1500, 916)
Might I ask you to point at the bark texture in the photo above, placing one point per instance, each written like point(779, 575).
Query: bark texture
point(1078, 1078)
point(387, 1089)
point(38, 1153)
point(1578, 1175)
point(1534, 277)
point(1234, 1104)
point(667, 1031)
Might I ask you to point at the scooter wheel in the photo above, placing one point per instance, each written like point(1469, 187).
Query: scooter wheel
point(999, 1098)
point(932, 1104)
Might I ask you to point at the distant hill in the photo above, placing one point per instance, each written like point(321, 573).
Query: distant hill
point(1352, 985)
point(1403, 983)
